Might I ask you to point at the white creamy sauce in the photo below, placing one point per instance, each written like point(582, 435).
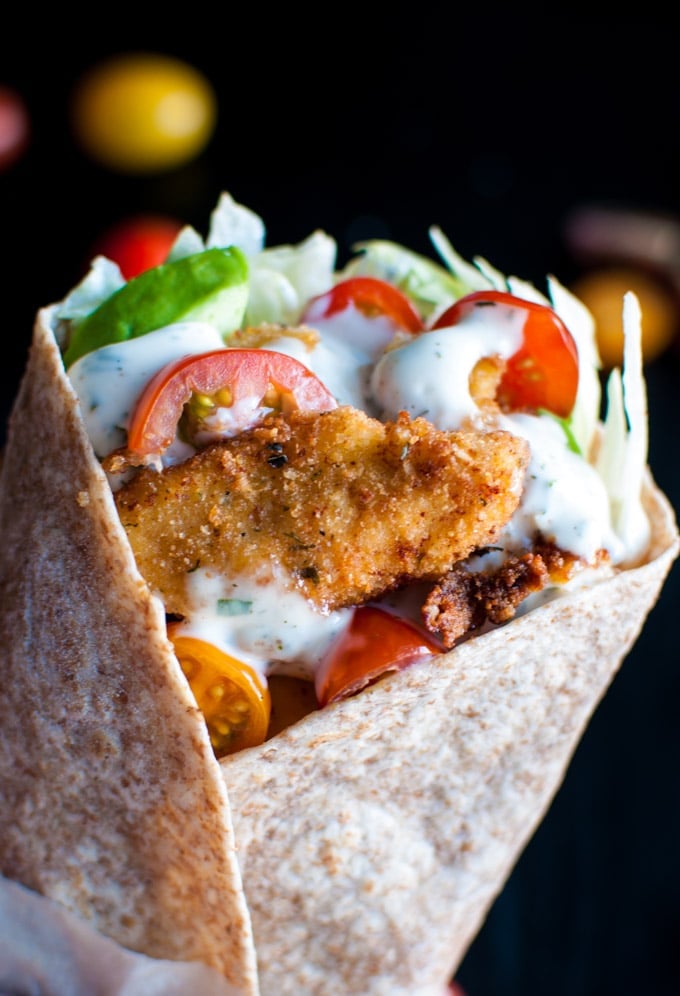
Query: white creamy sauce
point(349, 345)
point(368, 337)
point(563, 496)
point(225, 422)
point(333, 362)
point(429, 376)
point(259, 618)
point(261, 621)
point(109, 380)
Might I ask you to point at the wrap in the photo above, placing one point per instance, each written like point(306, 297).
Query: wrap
point(358, 850)
point(112, 800)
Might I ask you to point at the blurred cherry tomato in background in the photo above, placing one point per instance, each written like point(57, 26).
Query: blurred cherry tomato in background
point(143, 112)
point(602, 290)
point(138, 243)
point(14, 126)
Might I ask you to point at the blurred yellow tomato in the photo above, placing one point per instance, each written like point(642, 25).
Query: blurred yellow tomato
point(143, 112)
point(602, 291)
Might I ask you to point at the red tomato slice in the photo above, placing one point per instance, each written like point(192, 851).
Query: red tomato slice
point(231, 375)
point(375, 642)
point(371, 296)
point(543, 373)
point(139, 243)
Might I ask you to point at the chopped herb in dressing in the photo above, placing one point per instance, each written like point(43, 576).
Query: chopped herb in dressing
point(233, 607)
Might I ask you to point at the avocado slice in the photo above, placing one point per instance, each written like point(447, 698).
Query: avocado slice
point(209, 286)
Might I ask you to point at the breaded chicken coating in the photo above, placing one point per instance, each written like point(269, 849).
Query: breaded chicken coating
point(464, 600)
point(343, 506)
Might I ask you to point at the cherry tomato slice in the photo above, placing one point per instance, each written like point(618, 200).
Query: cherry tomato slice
point(138, 243)
point(375, 642)
point(543, 373)
point(230, 375)
point(371, 296)
point(234, 701)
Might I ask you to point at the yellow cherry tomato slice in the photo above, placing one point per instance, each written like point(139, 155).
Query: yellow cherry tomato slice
point(143, 112)
point(233, 699)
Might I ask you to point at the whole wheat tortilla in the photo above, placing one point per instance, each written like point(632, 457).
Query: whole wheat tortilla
point(45, 949)
point(371, 837)
point(111, 800)
point(374, 836)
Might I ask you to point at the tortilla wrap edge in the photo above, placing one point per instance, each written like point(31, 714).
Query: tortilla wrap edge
point(118, 748)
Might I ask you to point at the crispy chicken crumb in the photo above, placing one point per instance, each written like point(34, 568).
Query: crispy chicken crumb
point(465, 600)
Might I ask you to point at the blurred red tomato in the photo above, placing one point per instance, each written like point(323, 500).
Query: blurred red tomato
point(14, 126)
point(138, 243)
point(143, 112)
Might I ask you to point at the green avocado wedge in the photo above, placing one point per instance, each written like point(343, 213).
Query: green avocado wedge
point(210, 286)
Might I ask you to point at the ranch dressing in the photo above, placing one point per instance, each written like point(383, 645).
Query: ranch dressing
point(563, 497)
point(262, 621)
point(350, 344)
point(429, 375)
point(334, 362)
point(109, 380)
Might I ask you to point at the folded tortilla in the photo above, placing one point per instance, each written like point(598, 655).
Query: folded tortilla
point(111, 800)
point(45, 949)
point(357, 851)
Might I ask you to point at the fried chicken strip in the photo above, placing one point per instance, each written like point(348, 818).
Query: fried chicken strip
point(344, 507)
point(465, 600)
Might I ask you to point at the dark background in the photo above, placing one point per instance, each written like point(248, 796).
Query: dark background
point(380, 121)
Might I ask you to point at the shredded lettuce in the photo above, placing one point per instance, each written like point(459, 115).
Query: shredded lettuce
point(187, 243)
point(623, 453)
point(472, 277)
point(431, 287)
point(284, 278)
point(527, 291)
point(585, 415)
point(101, 281)
point(232, 224)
